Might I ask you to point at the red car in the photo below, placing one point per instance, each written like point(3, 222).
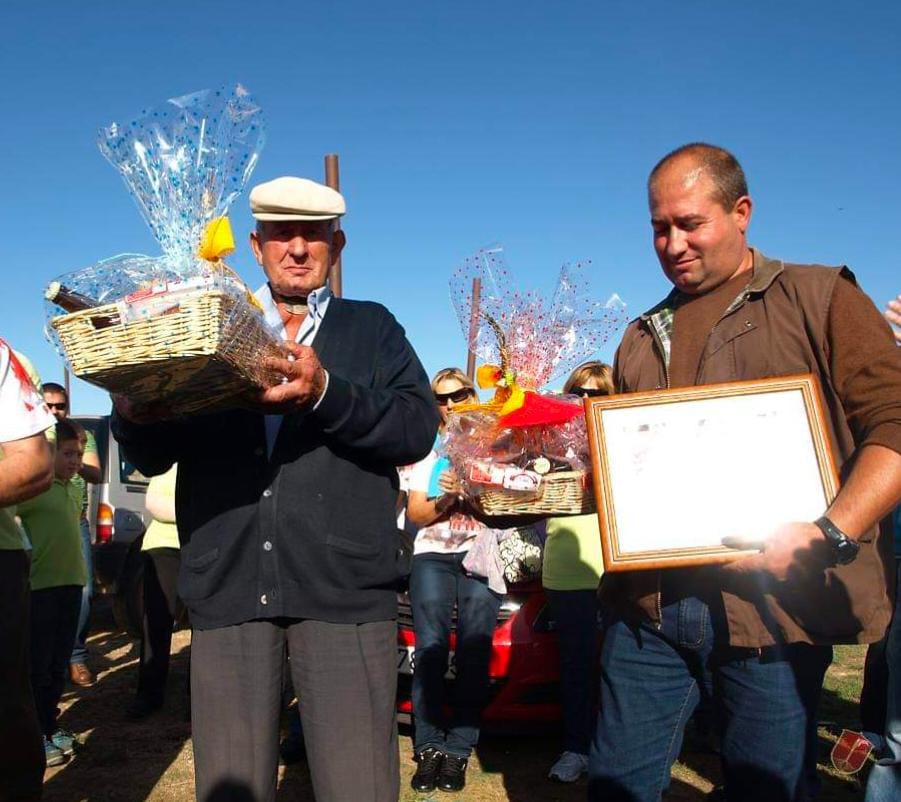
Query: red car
point(525, 661)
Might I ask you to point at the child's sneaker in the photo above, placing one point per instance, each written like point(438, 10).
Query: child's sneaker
point(53, 753)
point(64, 741)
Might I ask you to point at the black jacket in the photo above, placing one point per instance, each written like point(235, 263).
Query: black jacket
point(311, 532)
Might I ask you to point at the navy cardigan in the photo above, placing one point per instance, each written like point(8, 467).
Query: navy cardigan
point(310, 532)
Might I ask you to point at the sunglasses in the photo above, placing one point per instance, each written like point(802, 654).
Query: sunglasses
point(62, 406)
point(457, 396)
point(590, 392)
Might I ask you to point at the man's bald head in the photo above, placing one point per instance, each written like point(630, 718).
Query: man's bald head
point(697, 159)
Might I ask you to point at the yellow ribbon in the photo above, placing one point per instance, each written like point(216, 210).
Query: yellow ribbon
point(488, 376)
point(515, 401)
point(218, 241)
point(508, 395)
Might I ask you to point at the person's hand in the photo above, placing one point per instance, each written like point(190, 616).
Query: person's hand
point(893, 316)
point(451, 498)
point(791, 552)
point(138, 412)
point(302, 385)
point(449, 483)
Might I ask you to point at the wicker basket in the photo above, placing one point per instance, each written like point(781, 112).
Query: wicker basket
point(564, 493)
point(202, 356)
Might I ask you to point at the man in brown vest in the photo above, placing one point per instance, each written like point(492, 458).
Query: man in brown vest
point(754, 637)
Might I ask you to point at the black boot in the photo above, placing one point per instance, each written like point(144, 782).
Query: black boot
point(452, 776)
point(429, 760)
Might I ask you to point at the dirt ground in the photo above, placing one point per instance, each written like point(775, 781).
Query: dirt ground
point(123, 761)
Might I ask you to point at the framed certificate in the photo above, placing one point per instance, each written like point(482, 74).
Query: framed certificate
point(678, 471)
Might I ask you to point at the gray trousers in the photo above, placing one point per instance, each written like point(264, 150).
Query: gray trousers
point(345, 676)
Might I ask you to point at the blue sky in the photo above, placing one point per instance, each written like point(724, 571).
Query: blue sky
point(532, 124)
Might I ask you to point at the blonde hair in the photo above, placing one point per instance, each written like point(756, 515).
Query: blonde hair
point(599, 371)
point(453, 373)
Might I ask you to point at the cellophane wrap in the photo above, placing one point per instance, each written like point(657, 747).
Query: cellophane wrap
point(534, 339)
point(485, 455)
point(547, 335)
point(183, 162)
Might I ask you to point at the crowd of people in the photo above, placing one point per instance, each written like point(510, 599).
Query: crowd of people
point(278, 531)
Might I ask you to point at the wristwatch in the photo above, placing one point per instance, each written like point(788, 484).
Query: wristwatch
point(446, 502)
point(844, 549)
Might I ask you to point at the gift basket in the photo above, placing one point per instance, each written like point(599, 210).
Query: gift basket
point(182, 328)
point(524, 451)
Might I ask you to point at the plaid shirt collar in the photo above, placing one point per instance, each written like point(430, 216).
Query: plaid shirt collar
point(661, 317)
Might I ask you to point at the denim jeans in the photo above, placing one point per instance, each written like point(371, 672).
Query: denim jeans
point(80, 650)
point(884, 784)
point(437, 583)
point(764, 705)
point(575, 614)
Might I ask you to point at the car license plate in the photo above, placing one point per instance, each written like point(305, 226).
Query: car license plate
point(405, 662)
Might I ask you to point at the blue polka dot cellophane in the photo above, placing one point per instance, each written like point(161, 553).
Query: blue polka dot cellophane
point(184, 162)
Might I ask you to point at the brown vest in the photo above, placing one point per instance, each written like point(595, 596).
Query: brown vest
point(780, 329)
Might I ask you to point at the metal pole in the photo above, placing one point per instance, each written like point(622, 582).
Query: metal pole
point(333, 180)
point(473, 326)
point(66, 384)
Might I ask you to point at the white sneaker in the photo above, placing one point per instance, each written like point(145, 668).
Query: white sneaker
point(569, 767)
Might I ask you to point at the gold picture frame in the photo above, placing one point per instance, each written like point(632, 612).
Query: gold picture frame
point(676, 471)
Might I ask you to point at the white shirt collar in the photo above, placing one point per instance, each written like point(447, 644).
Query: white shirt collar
point(317, 304)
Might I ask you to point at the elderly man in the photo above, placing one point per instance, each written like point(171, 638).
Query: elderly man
point(757, 635)
point(26, 471)
point(286, 513)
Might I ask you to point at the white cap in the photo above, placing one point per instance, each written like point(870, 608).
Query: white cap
point(290, 198)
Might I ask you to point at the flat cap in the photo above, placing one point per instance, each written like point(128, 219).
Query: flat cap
point(290, 198)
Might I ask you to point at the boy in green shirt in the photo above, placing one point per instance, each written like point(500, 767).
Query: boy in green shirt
point(57, 399)
point(57, 577)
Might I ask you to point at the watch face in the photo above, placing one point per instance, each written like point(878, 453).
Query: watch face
point(845, 551)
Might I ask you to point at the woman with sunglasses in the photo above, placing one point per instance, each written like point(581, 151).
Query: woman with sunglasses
point(442, 743)
point(571, 572)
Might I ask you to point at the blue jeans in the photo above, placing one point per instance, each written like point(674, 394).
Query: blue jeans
point(437, 583)
point(764, 704)
point(80, 650)
point(575, 615)
point(884, 784)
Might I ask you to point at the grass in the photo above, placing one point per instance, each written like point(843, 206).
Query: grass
point(122, 761)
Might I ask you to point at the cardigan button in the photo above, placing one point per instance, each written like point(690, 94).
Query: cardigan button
point(267, 493)
point(263, 599)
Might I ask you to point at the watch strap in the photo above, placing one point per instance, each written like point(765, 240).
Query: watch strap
point(829, 529)
point(844, 547)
